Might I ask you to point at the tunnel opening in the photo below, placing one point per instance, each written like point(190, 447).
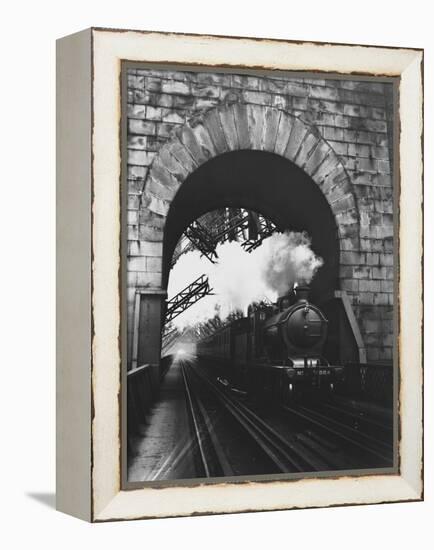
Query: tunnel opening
point(266, 183)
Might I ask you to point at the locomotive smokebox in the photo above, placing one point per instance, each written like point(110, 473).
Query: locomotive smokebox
point(298, 329)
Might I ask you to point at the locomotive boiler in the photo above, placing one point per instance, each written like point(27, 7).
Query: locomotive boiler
point(276, 351)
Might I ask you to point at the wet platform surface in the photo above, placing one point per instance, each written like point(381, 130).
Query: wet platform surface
point(164, 448)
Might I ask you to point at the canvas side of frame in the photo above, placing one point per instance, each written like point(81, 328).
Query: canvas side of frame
point(109, 502)
point(73, 274)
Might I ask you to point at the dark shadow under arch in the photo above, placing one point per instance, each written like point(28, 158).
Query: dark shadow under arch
point(266, 183)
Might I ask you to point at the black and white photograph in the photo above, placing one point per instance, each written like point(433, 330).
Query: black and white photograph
point(217, 275)
point(258, 267)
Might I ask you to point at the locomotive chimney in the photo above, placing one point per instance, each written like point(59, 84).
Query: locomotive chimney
point(302, 292)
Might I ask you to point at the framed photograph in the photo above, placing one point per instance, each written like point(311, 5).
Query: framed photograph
point(239, 274)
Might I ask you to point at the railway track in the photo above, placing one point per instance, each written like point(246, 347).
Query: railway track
point(380, 428)
point(212, 458)
point(371, 446)
point(303, 451)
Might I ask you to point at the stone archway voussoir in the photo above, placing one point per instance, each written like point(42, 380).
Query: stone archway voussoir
point(327, 168)
point(170, 163)
point(298, 132)
point(188, 138)
point(161, 174)
point(157, 205)
point(255, 117)
point(306, 148)
point(183, 155)
point(271, 127)
point(204, 140)
point(229, 128)
point(242, 125)
point(317, 157)
point(336, 177)
point(160, 189)
point(212, 124)
point(286, 122)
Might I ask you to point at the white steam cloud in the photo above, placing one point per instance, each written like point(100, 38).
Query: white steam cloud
point(240, 278)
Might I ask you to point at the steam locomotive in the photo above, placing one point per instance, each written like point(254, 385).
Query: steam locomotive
point(276, 351)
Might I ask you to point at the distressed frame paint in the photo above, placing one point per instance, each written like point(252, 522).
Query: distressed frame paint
point(109, 48)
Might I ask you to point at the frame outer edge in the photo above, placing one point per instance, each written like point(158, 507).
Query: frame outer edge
point(73, 275)
point(411, 271)
point(110, 502)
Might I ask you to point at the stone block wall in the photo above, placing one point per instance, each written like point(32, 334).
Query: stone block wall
point(354, 117)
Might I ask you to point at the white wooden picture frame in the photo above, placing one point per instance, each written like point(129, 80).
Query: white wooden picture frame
point(89, 343)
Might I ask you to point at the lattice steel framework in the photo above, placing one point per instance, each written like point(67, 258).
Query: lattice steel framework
point(187, 297)
point(230, 224)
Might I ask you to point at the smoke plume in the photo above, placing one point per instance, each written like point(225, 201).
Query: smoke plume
point(288, 259)
point(240, 278)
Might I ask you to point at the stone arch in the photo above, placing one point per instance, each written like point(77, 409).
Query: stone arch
point(224, 129)
point(254, 127)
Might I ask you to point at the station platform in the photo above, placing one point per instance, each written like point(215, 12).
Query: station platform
point(163, 449)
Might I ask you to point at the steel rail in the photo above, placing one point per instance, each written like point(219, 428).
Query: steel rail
point(311, 443)
point(357, 416)
point(350, 429)
point(280, 451)
point(222, 465)
point(196, 425)
point(342, 431)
